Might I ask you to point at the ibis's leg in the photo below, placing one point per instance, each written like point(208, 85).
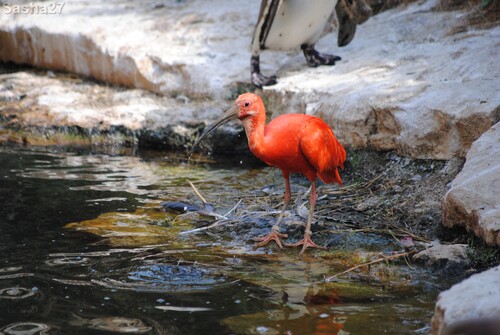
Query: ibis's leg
point(307, 242)
point(315, 58)
point(275, 232)
point(258, 79)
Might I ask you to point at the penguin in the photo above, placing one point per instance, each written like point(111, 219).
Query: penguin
point(288, 24)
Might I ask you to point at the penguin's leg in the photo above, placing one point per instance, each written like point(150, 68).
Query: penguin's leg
point(258, 79)
point(315, 58)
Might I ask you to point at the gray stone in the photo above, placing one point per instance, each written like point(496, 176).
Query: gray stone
point(449, 259)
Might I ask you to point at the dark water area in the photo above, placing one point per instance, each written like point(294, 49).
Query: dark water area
point(86, 249)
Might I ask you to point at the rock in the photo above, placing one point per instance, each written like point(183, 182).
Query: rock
point(474, 198)
point(471, 302)
point(449, 259)
point(407, 82)
point(176, 48)
point(37, 109)
point(414, 79)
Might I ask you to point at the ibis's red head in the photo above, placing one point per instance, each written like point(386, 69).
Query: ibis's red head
point(247, 107)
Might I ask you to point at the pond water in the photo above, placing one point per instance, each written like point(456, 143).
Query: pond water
point(86, 249)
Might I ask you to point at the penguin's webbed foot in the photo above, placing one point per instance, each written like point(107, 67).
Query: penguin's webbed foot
point(315, 58)
point(259, 80)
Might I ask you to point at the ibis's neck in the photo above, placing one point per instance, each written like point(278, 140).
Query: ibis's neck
point(254, 128)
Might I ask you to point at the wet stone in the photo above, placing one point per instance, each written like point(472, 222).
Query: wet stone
point(448, 259)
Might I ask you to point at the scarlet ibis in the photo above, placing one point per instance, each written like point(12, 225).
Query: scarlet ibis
point(294, 143)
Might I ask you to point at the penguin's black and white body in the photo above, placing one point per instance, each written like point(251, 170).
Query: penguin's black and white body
point(288, 24)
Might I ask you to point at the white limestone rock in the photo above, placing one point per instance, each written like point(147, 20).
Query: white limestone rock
point(474, 198)
point(474, 301)
point(414, 80)
point(407, 82)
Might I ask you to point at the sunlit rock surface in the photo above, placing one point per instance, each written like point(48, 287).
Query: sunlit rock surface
point(470, 307)
point(166, 47)
point(451, 259)
point(46, 108)
point(474, 198)
point(413, 79)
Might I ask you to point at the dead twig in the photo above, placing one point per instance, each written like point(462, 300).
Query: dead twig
point(197, 193)
point(384, 258)
point(215, 224)
point(232, 209)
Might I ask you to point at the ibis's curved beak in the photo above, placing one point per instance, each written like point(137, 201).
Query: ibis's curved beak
point(229, 115)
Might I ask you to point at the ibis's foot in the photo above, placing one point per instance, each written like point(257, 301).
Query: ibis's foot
point(259, 80)
point(273, 236)
point(306, 242)
point(315, 58)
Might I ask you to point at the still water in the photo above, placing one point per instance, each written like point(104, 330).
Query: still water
point(86, 249)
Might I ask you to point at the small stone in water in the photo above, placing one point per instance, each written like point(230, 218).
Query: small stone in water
point(237, 301)
point(262, 329)
point(324, 315)
point(160, 300)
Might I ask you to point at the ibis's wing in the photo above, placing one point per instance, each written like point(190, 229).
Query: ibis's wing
point(323, 151)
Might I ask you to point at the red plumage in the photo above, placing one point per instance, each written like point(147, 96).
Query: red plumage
point(294, 143)
point(299, 143)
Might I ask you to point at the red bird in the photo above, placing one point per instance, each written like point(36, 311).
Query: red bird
point(294, 143)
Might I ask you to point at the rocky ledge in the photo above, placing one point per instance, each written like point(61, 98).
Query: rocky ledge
point(415, 79)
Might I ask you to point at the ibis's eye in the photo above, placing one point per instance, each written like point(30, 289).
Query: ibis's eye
point(246, 104)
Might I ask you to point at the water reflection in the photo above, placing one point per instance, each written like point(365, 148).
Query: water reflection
point(123, 174)
point(112, 324)
point(294, 318)
point(76, 260)
point(25, 328)
point(86, 249)
point(183, 276)
point(16, 293)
